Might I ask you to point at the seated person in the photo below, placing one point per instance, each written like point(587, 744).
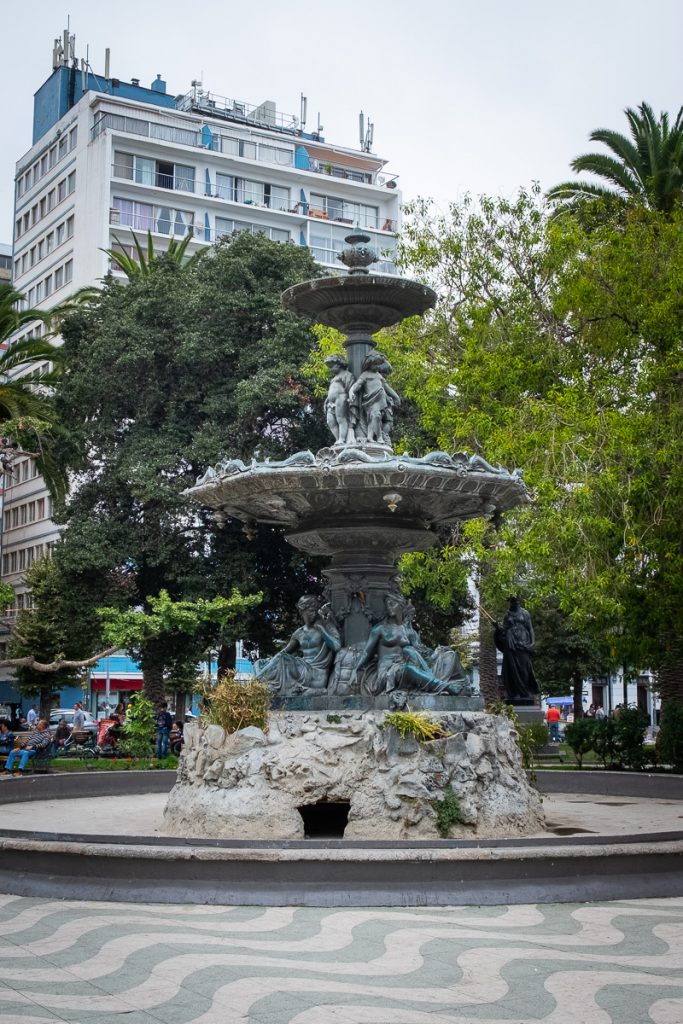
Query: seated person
point(28, 746)
point(61, 736)
point(6, 737)
point(114, 732)
point(175, 737)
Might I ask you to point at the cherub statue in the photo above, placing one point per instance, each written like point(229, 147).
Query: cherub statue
point(374, 395)
point(340, 415)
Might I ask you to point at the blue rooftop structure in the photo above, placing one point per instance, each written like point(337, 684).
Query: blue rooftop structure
point(66, 85)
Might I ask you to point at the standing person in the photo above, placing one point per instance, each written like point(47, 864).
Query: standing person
point(599, 712)
point(552, 717)
point(164, 723)
point(32, 717)
point(28, 747)
point(79, 717)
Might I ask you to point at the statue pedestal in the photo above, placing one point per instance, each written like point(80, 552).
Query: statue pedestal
point(256, 785)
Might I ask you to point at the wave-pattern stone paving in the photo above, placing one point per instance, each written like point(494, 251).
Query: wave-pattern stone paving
point(99, 963)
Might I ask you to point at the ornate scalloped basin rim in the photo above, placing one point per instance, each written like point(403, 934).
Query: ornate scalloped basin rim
point(349, 459)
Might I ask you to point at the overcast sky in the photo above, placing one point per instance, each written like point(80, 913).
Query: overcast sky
point(465, 95)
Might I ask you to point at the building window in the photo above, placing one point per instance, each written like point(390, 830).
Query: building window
point(22, 559)
point(164, 219)
point(50, 242)
point(62, 147)
point(71, 183)
point(61, 190)
point(68, 271)
point(61, 229)
point(59, 277)
point(70, 227)
point(346, 212)
point(73, 137)
point(146, 171)
point(13, 562)
point(25, 469)
point(5, 564)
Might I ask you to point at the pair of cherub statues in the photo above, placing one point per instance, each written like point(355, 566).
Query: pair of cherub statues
point(361, 409)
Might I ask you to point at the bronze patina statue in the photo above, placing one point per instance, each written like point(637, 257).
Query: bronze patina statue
point(515, 638)
point(317, 640)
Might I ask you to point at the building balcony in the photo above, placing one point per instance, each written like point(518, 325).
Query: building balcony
point(257, 149)
point(179, 183)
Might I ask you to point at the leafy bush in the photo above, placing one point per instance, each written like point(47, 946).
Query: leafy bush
point(415, 723)
point(235, 705)
point(139, 729)
point(579, 736)
point(605, 741)
point(631, 726)
point(670, 738)
point(447, 813)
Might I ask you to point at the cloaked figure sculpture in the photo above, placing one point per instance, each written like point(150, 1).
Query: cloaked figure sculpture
point(515, 638)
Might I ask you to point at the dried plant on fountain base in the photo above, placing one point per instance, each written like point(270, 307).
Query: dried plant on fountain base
point(235, 705)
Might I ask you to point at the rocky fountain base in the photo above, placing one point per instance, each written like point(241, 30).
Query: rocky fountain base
point(359, 777)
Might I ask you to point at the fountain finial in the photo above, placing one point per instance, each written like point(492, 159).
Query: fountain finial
point(358, 254)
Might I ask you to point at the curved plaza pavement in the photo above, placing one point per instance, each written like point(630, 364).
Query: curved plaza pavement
point(88, 961)
point(601, 963)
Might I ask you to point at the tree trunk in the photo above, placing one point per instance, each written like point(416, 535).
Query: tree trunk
point(488, 663)
point(577, 683)
point(670, 682)
point(153, 683)
point(45, 705)
point(180, 707)
point(227, 658)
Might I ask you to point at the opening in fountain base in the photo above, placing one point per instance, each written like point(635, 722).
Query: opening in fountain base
point(325, 819)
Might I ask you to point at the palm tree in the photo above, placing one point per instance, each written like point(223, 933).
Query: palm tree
point(25, 389)
point(142, 266)
point(648, 167)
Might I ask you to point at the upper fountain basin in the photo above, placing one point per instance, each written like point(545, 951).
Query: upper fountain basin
point(359, 302)
point(349, 484)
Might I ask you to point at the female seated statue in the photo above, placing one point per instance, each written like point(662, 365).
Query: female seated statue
point(317, 641)
point(399, 664)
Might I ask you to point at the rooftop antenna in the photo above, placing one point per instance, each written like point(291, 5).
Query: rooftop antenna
point(304, 109)
point(320, 128)
point(366, 133)
point(84, 67)
point(107, 59)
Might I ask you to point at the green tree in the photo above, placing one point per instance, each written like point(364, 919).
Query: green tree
point(558, 349)
point(41, 635)
point(165, 375)
point(143, 266)
point(647, 167)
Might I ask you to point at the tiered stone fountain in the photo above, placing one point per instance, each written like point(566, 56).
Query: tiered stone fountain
point(358, 651)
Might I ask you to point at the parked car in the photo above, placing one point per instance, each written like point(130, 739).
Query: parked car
point(56, 715)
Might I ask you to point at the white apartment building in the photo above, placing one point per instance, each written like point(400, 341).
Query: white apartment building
point(110, 158)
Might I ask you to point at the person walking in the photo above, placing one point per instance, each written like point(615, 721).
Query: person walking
point(164, 723)
point(552, 717)
point(28, 747)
